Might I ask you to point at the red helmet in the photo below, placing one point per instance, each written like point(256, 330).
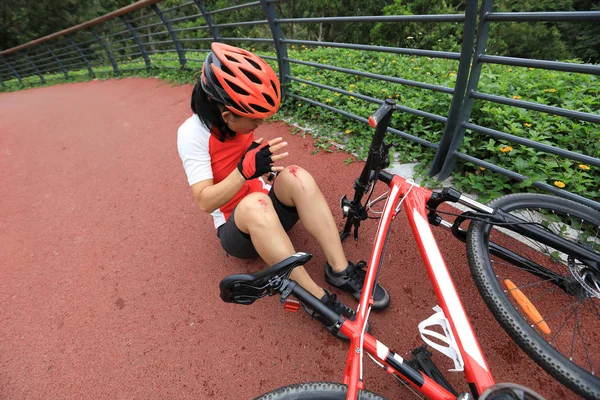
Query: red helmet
point(241, 80)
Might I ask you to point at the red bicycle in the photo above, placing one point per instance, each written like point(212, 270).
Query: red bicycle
point(534, 258)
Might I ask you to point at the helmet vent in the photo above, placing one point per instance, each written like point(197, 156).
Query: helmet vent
point(269, 100)
point(254, 63)
point(236, 88)
point(259, 108)
point(275, 88)
point(237, 107)
point(230, 58)
point(226, 69)
point(251, 76)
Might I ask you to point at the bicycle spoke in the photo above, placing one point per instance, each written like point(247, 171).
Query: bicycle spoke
point(596, 309)
point(533, 284)
point(560, 329)
point(518, 267)
point(559, 311)
point(552, 289)
point(575, 330)
point(587, 355)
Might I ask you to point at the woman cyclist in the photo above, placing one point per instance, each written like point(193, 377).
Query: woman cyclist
point(227, 169)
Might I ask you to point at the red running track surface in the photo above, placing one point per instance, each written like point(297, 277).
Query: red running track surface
point(109, 273)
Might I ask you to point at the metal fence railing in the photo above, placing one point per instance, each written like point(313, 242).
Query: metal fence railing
point(138, 36)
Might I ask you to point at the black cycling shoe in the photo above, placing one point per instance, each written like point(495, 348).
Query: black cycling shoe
point(352, 280)
point(331, 301)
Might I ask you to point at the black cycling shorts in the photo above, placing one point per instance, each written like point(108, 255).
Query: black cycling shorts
point(238, 244)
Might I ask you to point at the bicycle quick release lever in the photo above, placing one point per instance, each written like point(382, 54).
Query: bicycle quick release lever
point(353, 210)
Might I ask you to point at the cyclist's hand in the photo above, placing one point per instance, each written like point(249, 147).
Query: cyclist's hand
point(259, 158)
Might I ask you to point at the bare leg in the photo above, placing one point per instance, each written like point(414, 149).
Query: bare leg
point(295, 187)
point(256, 216)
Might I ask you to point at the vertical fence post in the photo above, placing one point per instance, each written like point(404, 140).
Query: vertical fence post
point(60, 64)
point(137, 40)
point(108, 52)
point(462, 77)
point(2, 84)
point(13, 70)
point(87, 62)
point(211, 25)
point(281, 48)
point(180, 51)
point(459, 134)
point(37, 71)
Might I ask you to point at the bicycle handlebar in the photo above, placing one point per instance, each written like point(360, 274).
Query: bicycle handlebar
point(380, 120)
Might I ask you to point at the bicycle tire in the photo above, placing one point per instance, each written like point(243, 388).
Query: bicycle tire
point(315, 391)
point(525, 335)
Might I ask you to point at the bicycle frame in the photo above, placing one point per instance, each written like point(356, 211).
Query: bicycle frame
point(476, 369)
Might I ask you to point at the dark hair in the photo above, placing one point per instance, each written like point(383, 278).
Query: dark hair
point(209, 113)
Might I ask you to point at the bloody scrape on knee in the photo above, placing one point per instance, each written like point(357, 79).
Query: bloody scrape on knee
point(263, 204)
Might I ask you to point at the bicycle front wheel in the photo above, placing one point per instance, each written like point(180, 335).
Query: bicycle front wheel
point(315, 391)
point(547, 301)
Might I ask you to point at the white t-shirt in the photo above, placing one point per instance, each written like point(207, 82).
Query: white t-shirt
point(204, 157)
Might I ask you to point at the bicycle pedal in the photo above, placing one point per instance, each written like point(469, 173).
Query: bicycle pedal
point(421, 360)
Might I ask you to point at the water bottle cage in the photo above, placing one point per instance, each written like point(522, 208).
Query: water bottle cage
point(451, 350)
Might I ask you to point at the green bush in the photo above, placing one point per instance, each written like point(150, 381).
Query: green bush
point(571, 91)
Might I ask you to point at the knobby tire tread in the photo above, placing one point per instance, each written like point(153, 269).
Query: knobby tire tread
point(557, 365)
point(316, 391)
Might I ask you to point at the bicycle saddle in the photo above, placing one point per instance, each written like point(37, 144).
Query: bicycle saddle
point(247, 288)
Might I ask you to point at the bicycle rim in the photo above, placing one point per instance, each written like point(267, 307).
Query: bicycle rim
point(555, 296)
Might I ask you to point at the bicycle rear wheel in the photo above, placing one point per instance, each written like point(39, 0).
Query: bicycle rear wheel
point(547, 301)
point(315, 391)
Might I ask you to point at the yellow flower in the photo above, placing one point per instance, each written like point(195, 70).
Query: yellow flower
point(351, 97)
point(292, 46)
point(550, 90)
point(253, 49)
point(328, 101)
point(452, 74)
point(382, 59)
point(374, 63)
point(416, 68)
point(336, 94)
point(510, 70)
point(531, 69)
point(527, 125)
point(397, 95)
point(506, 149)
point(304, 84)
point(559, 184)
point(348, 131)
point(352, 85)
point(482, 168)
point(584, 167)
point(393, 61)
point(383, 90)
point(299, 104)
point(308, 78)
point(516, 97)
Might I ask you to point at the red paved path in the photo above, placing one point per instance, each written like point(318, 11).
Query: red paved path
point(109, 273)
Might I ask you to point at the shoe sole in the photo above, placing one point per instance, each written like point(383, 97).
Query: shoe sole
point(377, 306)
